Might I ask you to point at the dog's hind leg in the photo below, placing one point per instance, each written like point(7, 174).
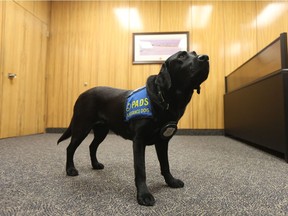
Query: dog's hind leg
point(75, 142)
point(100, 132)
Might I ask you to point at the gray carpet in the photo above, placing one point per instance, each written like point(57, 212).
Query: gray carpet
point(222, 177)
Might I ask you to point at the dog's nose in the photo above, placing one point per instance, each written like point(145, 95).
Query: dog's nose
point(203, 58)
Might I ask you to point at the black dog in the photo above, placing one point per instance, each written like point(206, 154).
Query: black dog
point(167, 94)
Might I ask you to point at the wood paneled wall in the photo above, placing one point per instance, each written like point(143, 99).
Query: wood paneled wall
point(1, 56)
point(23, 52)
point(268, 29)
point(40, 9)
point(88, 46)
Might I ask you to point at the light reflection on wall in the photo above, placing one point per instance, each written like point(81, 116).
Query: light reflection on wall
point(128, 17)
point(234, 49)
point(269, 14)
point(201, 15)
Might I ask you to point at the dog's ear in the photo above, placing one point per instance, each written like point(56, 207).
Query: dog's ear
point(163, 78)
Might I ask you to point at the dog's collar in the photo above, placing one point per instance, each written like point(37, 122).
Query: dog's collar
point(168, 130)
point(163, 103)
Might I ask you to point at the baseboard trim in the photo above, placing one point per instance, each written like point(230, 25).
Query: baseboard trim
point(201, 132)
point(55, 130)
point(187, 132)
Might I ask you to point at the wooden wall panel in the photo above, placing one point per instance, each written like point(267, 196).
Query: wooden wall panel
point(168, 23)
point(113, 40)
point(150, 22)
point(270, 28)
point(85, 50)
point(24, 53)
point(88, 44)
point(57, 66)
point(106, 59)
point(208, 38)
point(175, 16)
point(240, 40)
point(1, 56)
point(40, 9)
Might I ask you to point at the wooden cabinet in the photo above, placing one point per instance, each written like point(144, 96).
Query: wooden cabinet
point(256, 99)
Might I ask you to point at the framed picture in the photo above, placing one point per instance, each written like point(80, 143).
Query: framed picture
point(154, 48)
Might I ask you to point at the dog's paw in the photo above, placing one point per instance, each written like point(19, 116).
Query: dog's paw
point(175, 183)
point(98, 166)
point(71, 171)
point(146, 199)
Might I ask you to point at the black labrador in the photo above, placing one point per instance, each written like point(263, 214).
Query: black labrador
point(103, 108)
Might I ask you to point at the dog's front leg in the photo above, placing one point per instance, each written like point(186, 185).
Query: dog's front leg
point(162, 153)
point(144, 197)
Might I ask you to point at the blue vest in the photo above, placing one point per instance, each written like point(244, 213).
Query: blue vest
point(138, 105)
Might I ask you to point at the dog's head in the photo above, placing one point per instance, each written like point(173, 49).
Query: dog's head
point(183, 71)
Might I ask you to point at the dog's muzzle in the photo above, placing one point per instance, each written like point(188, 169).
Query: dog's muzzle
point(203, 58)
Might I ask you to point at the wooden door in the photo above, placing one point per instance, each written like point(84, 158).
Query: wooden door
point(1, 58)
point(24, 53)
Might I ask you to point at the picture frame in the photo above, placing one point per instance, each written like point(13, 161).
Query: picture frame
point(155, 48)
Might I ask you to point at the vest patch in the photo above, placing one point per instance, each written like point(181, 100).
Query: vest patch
point(138, 105)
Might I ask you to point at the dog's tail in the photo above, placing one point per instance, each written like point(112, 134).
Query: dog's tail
point(65, 135)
